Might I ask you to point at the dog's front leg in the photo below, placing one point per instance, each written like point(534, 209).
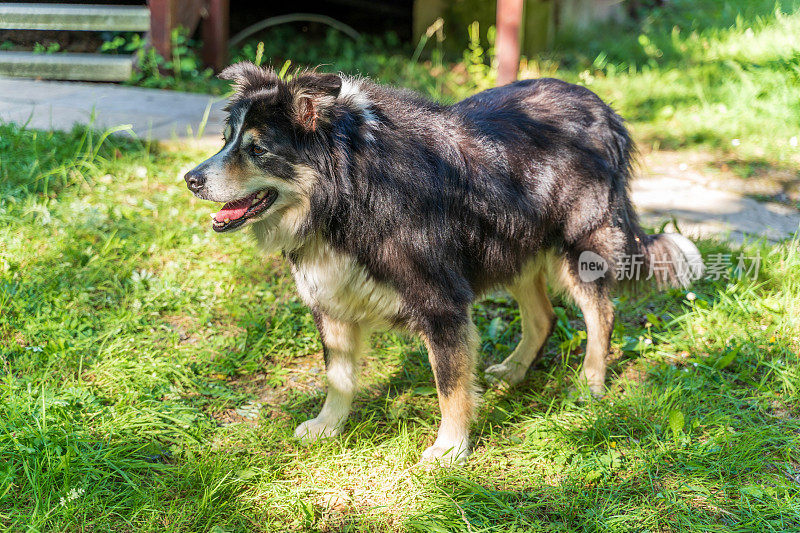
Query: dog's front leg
point(451, 350)
point(342, 346)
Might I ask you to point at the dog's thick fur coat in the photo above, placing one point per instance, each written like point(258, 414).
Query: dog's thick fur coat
point(397, 211)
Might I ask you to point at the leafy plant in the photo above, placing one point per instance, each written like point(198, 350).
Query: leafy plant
point(480, 63)
point(182, 70)
point(51, 48)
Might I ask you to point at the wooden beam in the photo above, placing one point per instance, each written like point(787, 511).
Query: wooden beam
point(66, 66)
point(509, 22)
point(80, 17)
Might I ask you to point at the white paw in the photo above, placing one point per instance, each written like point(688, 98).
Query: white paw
point(503, 374)
point(317, 428)
point(446, 455)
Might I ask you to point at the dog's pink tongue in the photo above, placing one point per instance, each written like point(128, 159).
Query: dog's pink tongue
point(233, 210)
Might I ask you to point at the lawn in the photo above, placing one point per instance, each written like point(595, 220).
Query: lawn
point(152, 372)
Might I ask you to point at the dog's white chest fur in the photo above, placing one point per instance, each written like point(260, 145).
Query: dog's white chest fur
point(337, 285)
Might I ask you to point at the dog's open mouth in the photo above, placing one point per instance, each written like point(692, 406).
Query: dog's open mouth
point(234, 214)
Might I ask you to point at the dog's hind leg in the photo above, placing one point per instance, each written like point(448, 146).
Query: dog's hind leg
point(343, 343)
point(537, 317)
point(452, 349)
point(598, 312)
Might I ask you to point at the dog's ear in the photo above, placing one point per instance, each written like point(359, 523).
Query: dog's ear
point(314, 97)
point(248, 77)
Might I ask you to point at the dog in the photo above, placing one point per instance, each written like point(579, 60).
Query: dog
point(395, 211)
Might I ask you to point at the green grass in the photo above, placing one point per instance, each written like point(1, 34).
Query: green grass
point(708, 73)
point(131, 336)
point(152, 372)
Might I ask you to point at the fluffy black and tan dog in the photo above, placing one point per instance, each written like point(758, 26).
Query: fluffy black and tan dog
point(397, 211)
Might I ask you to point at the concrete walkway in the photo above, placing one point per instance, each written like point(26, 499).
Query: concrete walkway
point(151, 113)
point(671, 184)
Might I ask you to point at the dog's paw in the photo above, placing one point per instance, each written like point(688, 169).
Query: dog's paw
point(585, 391)
point(583, 395)
point(317, 428)
point(594, 382)
point(503, 375)
point(440, 455)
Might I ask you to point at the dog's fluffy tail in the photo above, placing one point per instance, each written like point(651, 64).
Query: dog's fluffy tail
point(666, 259)
point(670, 259)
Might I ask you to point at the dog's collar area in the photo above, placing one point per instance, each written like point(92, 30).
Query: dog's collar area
point(234, 214)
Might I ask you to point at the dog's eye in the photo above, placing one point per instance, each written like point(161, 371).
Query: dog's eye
point(257, 150)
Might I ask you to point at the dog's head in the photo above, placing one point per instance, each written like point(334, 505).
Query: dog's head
point(261, 174)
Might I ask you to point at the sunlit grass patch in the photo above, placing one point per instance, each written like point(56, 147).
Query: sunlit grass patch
point(700, 73)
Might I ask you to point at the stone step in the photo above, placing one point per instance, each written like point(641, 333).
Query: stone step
point(65, 66)
point(82, 17)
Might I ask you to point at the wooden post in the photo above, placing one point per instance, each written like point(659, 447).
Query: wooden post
point(509, 21)
point(163, 18)
point(215, 34)
point(166, 15)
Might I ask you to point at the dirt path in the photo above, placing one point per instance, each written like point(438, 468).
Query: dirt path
point(708, 197)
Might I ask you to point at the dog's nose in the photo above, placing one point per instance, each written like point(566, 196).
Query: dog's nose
point(195, 180)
